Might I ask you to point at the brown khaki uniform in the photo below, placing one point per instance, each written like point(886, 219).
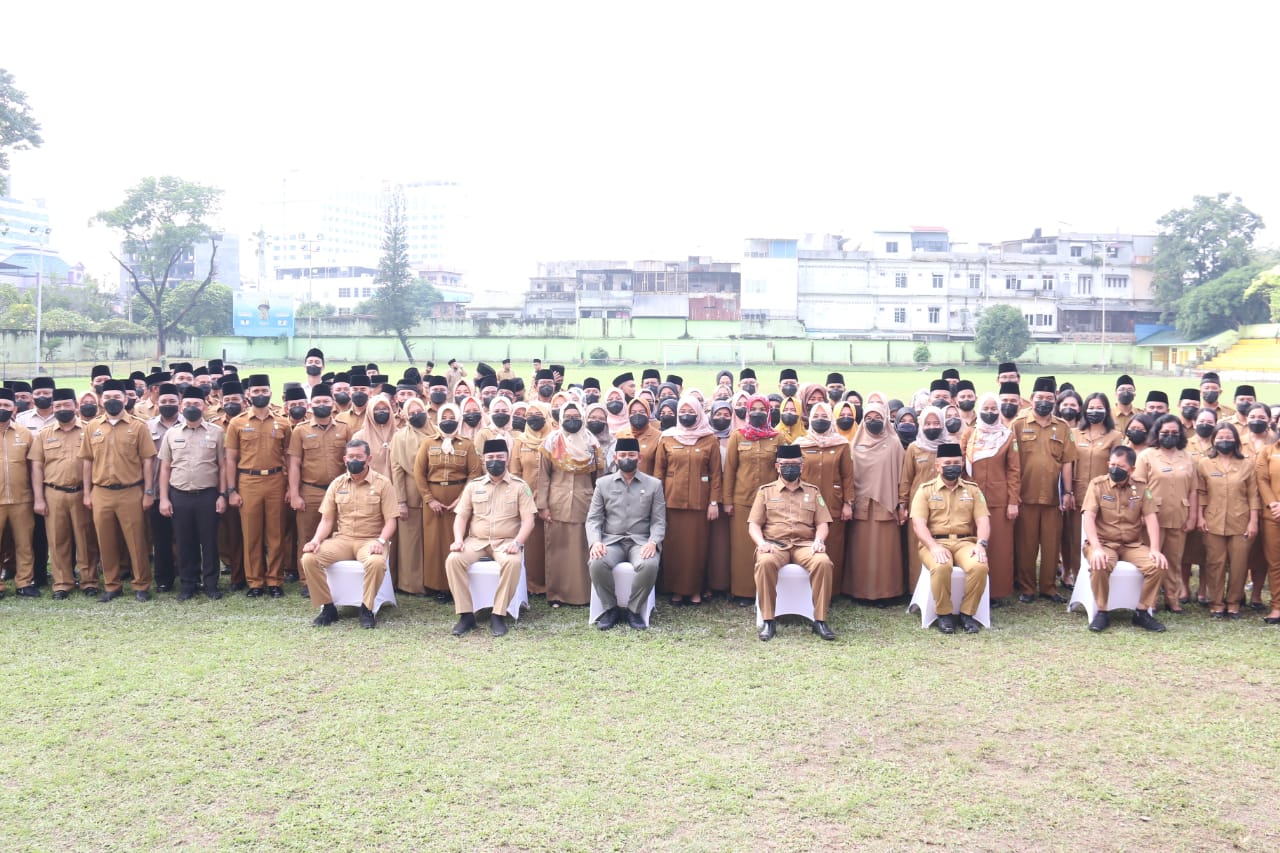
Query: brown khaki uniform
point(951, 513)
point(441, 477)
point(1267, 475)
point(319, 451)
point(1171, 480)
point(525, 459)
point(1093, 455)
point(1193, 545)
point(493, 512)
point(116, 454)
point(1042, 453)
point(789, 515)
point(748, 465)
point(193, 454)
point(831, 470)
point(145, 409)
point(649, 440)
point(1228, 494)
point(360, 511)
point(56, 465)
point(1120, 511)
point(262, 444)
point(407, 568)
point(230, 535)
point(16, 499)
point(1122, 420)
point(917, 468)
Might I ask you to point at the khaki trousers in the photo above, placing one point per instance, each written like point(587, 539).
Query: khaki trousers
point(262, 527)
point(1172, 542)
point(1037, 531)
point(766, 578)
point(335, 550)
point(1140, 556)
point(71, 539)
point(474, 551)
point(1271, 547)
point(20, 519)
point(960, 553)
point(1225, 556)
point(308, 520)
point(117, 515)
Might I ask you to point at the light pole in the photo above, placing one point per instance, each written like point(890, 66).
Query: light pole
point(311, 246)
point(38, 232)
point(1102, 288)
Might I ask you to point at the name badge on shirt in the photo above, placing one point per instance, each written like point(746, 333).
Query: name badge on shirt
point(1108, 497)
point(964, 496)
point(937, 498)
point(1216, 474)
point(706, 479)
point(1166, 470)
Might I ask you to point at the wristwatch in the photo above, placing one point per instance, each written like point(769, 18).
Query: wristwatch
point(982, 542)
point(381, 541)
point(151, 493)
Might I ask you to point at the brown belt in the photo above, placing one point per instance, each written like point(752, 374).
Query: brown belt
point(71, 490)
point(260, 472)
point(193, 491)
point(117, 488)
point(314, 485)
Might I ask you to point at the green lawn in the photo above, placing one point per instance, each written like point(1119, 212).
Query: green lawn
point(237, 725)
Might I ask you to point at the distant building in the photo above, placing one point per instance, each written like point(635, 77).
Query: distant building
point(345, 288)
point(565, 290)
point(22, 223)
point(194, 265)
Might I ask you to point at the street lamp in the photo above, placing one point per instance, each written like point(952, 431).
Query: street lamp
point(38, 232)
point(1102, 287)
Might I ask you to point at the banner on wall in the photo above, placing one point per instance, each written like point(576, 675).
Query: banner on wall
point(259, 315)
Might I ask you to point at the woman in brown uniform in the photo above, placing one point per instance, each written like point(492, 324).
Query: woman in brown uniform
point(688, 464)
point(1095, 437)
point(642, 429)
point(1229, 507)
point(1169, 474)
point(873, 554)
point(1256, 437)
point(1198, 445)
point(828, 464)
point(378, 429)
point(441, 469)
point(917, 467)
point(566, 479)
point(748, 465)
point(524, 464)
point(404, 453)
point(718, 560)
point(994, 464)
point(496, 426)
point(791, 424)
point(1267, 473)
point(847, 420)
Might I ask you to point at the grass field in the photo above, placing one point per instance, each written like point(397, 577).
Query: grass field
point(234, 724)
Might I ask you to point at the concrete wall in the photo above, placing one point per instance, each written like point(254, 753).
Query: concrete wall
point(19, 346)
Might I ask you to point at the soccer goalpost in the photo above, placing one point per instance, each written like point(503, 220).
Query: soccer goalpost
point(701, 352)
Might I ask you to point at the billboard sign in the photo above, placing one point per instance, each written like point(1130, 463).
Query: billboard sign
point(261, 315)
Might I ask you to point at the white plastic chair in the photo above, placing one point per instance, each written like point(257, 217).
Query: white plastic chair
point(922, 598)
point(346, 585)
point(623, 575)
point(1124, 593)
point(483, 578)
point(794, 596)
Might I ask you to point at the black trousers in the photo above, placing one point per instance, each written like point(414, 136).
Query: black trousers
point(195, 526)
point(161, 545)
point(40, 551)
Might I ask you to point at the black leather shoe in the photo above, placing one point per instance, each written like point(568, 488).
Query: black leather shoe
point(607, 619)
point(275, 591)
point(466, 621)
point(31, 591)
point(1271, 620)
point(947, 624)
point(1055, 598)
point(497, 625)
point(1100, 622)
point(256, 592)
point(1146, 621)
point(164, 587)
point(214, 594)
point(236, 587)
point(1026, 599)
point(304, 592)
point(108, 595)
point(142, 595)
point(969, 624)
point(743, 601)
point(823, 630)
point(328, 615)
point(59, 595)
point(768, 629)
point(290, 577)
point(367, 619)
point(444, 597)
point(636, 621)
point(186, 595)
point(89, 591)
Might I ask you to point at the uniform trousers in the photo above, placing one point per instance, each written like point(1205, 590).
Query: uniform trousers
point(1172, 542)
point(1270, 530)
point(71, 540)
point(307, 520)
point(231, 544)
point(766, 577)
point(474, 551)
point(117, 515)
point(162, 544)
point(624, 551)
point(1225, 556)
point(1140, 556)
point(335, 550)
point(262, 528)
point(20, 521)
point(195, 526)
point(959, 553)
point(1037, 531)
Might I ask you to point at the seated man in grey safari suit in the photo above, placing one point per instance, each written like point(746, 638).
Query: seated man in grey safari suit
point(626, 523)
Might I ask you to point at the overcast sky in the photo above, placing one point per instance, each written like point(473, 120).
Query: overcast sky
point(667, 129)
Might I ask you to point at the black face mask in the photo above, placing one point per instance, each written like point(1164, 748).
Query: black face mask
point(1009, 410)
point(448, 427)
point(758, 419)
point(1118, 475)
point(359, 399)
point(1069, 414)
point(667, 421)
point(967, 405)
point(875, 426)
point(790, 473)
point(613, 407)
point(1204, 430)
point(517, 423)
point(438, 397)
point(128, 404)
point(1189, 412)
point(260, 401)
point(1043, 408)
point(845, 424)
point(232, 409)
point(909, 431)
point(537, 423)
point(687, 420)
point(458, 398)
point(297, 412)
point(417, 420)
point(341, 398)
point(789, 418)
point(545, 391)
point(989, 418)
point(381, 417)
point(775, 417)
point(749, 387)
point(113, 407)
point(789, 390)
point(820, 425)
point(834, 396)
point(314, 369)
point(88, 410)
point(1225, 446)
point(355, 466)
point(1137, 436)
point(571, 425)
point(65, 416)
point(192, 414)
point(953, 425)
point(1243, 408)
point(321, 412)
point(471, 419)
point(589, 399)
point(741, 413)
point(43, 403)
point(951, 473)
point(6, 414)
point(1169, 440)
point(638, 421)
point(1257, 427)
point(720, 424)
point(495, 467)
point(1095, 416)
point(628, 465)
point(1210, 397)
point(500, 419)
point(596, 427)
point(1125, 397)
point(931, 433)
point(168, 411)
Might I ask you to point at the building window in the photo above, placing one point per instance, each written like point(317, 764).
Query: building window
point(975, 280)
point(891, 248)
point(1113, 251)
point(899, 315)
point(1116, 282)
point(1011, 283)
point(899, 279)
point(344, 293)
point(935, 314)
point(344, 312)
point(1084, 285)
point(937, 281)
point(1077, 251)
point(1046, 282)
point(366, 292)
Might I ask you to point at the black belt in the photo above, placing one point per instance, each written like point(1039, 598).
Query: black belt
point(953, 536)
point(193, 491)
point(260, 472)
point(315, 485)
point(449, 483)
point(117, 488)
point(71, 491)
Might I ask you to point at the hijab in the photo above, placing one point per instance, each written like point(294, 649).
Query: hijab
point(618, 421)
point(572, 452)
point(378, 435)
point(530, 437)
point(985, 440)
point(925, 444)
point(449, 408)
point(848, 434)
point(757, 433)
point(877, 460)
point(504, 433)
point(830, 438)
point(604, 439)
point(689, 436)
point(715, 407)
point(805, 393)
point(465, 431)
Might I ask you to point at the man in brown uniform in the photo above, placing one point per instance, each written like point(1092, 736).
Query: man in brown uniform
point(257, 442)
point(1115, 510)
point(193, 494)
point(1126, 392)
point(1211, 393)
point(16, 497)
point(57, 483)
point(952, 523)
point(116, 456)
point(230, 538)
point(361, 506)
point(494, 519)
point(316, 451)
point(785, 514)
point(1046, 454)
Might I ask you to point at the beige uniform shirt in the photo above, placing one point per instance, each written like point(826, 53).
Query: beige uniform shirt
point(117, 450)
point(1043, 450)
point(495, 510)
point(362, 508)
point(1171, 481)
point(1228, 492)
point(193, 454)
point(950, 511)
point(15, 445)
point(58, 450)
point(1119, 509)
point(787, 514)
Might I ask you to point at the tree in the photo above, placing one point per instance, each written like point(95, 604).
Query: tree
point(160, 220)
point(921, 355)
point(401, 301)
point(208, 313)
point(1224, 303)
point(1268, 284)
point(1002, 333)
point(19, 131)
point(1200, 243)
point(314, 311)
